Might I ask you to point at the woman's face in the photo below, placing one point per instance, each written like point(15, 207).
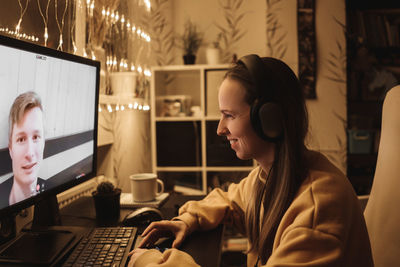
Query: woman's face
point(235, 122)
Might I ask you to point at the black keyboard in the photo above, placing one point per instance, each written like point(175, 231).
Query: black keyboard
point(108, 246)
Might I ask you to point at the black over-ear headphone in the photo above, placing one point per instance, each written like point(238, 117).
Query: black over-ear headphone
point(265, 115)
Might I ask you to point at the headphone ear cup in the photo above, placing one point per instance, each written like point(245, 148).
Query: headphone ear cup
point(270, 117)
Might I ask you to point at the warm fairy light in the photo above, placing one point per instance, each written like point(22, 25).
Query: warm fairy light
point(103, 12)
point(135, 106)
point(117, 108)
point(122, 19)
point(93, 56)
point(20, 35)
point(130, 105)
point(109, 108)
point(99, 109)
point(148, 4)
point(140, 107)
point(140, 69)
point(84, 52)
point(122, 107)
point(146, 107)
point(128, 24)
point(147, 72)
point(132, 67)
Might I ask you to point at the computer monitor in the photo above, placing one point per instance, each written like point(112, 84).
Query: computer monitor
point(49, 142)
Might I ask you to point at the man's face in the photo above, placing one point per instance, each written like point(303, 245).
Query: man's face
point(26, 146)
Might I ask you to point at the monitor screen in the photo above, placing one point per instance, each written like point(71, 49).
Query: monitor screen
point(48, 122)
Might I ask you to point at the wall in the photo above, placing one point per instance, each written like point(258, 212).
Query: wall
point(328, 110)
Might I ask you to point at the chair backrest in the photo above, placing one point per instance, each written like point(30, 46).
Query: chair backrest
point(382, 213)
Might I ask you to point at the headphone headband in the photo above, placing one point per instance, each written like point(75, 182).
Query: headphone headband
point(258, 73)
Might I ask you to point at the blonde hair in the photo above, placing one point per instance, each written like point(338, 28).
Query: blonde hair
point(23, 103)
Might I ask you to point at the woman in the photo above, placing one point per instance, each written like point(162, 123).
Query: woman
point(296, 208)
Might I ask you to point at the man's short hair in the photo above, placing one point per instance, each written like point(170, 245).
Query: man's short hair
point(23, 103)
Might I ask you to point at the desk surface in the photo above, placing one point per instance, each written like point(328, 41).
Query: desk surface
point(204, 247)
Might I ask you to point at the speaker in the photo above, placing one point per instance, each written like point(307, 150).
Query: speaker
point(265, 115)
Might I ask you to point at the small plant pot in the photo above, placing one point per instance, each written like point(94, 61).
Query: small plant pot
point(189, 59)
point(107, 205)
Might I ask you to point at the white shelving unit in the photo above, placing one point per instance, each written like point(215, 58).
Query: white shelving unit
point(185, 147)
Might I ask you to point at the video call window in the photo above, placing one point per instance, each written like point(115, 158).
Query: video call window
point(50, 142)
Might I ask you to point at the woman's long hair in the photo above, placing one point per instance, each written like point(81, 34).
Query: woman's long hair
point(289, 168)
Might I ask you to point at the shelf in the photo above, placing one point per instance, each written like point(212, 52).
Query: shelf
point(184, 118)
point(186, 151)
point(190, 67)
point(363, 158)
point(120, 100)
point(373, 67)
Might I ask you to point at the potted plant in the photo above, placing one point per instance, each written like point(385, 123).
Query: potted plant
point(107, 201)
point(191, 40)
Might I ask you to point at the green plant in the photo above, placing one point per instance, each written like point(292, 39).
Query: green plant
point(191, 39)
point(105, 188)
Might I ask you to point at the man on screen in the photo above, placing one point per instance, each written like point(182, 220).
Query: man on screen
point(26, 145)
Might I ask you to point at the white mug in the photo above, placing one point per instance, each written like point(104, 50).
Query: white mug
point(144, 186)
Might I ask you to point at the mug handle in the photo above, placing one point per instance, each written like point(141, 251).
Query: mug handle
point(161, 183)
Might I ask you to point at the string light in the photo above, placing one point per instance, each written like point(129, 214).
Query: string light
point(31, 38)
point(119, 108)
point(61, 26)
point(45, 20)
point(21, 15)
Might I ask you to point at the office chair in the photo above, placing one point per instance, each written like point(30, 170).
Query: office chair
point(382, 213)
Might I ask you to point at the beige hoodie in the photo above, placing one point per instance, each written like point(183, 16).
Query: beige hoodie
point(323, 226)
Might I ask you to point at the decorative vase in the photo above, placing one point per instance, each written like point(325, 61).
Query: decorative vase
point(124, 83)
point(189, 59)
point(212, 55)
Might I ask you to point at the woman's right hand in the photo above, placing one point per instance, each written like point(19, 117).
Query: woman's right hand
point(164, 228)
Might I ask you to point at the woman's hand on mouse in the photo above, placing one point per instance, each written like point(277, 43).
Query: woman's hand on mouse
point(164, 228)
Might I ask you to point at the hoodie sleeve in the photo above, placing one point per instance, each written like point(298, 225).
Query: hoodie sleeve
point(171, 257)
point(219, 207)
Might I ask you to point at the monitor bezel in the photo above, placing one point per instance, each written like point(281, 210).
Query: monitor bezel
point(34, 48)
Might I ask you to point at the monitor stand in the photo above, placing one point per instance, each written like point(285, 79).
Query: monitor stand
point(46, 213)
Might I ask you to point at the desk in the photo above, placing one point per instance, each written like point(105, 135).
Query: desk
point(204, 247)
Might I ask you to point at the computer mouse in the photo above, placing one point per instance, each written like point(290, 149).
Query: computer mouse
point(142, 217)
